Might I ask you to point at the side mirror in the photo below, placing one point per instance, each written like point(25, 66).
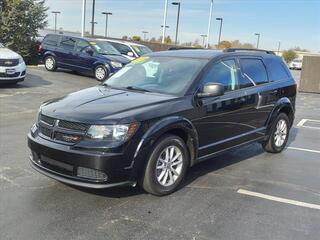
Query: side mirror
point(211, 90)
point(130, 54)
point(89, 51)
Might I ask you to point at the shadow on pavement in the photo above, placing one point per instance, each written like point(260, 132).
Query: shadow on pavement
point(29, 82)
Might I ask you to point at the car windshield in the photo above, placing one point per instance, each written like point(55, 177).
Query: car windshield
point(166, 75)
point(104, 48)
point(141, 50)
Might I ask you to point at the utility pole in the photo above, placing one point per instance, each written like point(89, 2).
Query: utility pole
point(209, 24)
point(221, 21)
point(258, 40)
point(145, 35)
point(279, 46)
point(107, 15)
point(83, 28)
point(178, 19)
point(55, 20)
point(164, 20)
point(203, 39)
point(92, 21)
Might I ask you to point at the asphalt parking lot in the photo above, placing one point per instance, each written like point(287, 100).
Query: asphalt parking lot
point(243, 194)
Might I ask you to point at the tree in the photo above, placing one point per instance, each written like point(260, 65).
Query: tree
point(289, 55)
point(167, 40)
point(20, 21)
point(136, 38)
point(224, 44)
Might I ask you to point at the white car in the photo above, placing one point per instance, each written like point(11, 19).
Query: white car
point(12, 66)
point(296, 64)
point(128, 49)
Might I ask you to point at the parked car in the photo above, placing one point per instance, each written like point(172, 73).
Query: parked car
point(12, 66)
point(129, 49)
point(82, 55)
point(296, 64)
point(160, 115)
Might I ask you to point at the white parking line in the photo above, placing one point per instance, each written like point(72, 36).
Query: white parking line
point(304, 120)
point(279, 199)
point(303, 149)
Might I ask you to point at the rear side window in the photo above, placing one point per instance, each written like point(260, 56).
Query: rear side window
point(67, 43)
point(123, 49)
point(277, 71)
point(225, 73)
point(254, 70)
point(52, 40)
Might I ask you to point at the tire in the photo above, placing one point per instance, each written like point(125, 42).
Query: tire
point(101, 73)
point(162, 176)
point(50, 63)
point(279, 134)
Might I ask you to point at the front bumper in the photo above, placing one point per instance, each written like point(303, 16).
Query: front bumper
point(18, 73)
point(62, 162)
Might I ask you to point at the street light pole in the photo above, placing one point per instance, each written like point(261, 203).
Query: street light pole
point(92, 20)
point(144, 35)
point(164, 20)
point(221, 21)
point(203, 38)
point(258, 40)
point(178, 19)
point(107, 15)
point(83, 28)
point(55, 20)
point(209, 24)
point(279, 46)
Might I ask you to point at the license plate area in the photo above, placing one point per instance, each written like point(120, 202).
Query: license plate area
point(10, 71)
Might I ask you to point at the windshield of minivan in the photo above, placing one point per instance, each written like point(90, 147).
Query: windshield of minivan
point(167, 75)
point(141, 50)
point(104, 48)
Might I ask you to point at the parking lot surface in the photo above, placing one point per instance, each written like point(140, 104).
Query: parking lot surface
point(243, 194)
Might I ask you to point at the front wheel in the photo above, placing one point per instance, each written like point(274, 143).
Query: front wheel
point(167, 166)
point(279, 134)
point(101, 73)
point(50, 63)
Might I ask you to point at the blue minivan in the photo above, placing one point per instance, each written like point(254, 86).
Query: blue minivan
point(87, 56)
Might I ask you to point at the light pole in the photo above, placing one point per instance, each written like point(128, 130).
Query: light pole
point(258, 40)
point(221, 21)
point(164, 39)
point(203, 38)
point(178, 19)
point(55, 20)
point(279, 46)
point(144, 35)
point(83, 28)
point(164, 20)
point(92, 20)
point(209, 24)
point(107, 16)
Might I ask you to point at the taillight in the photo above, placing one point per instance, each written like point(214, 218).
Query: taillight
point(39, 47)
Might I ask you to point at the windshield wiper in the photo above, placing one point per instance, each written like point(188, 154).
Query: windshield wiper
point(137, 89)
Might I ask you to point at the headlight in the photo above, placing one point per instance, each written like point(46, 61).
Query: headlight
point(116, 64)
point(21, 60)
point(115, 133)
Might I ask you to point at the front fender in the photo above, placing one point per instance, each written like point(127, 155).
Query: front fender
point(282, 104)
point(160, 128)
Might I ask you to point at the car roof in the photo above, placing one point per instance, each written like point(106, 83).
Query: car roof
point(209, 53)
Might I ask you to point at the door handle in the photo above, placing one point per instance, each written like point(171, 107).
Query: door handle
point(275, 92)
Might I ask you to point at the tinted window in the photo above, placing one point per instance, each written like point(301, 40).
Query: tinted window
point(277, 71)
point(67, 43)
point(244, 82)
point(82, 45)
point(123, 49)
point(254, 70)
point(52, 40)
point(224, 72)
point(104, 48)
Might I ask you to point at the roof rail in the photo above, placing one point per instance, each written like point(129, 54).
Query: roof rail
point(183, 48)
point(248, 50)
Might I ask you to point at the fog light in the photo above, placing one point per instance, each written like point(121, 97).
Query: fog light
point(91, 174)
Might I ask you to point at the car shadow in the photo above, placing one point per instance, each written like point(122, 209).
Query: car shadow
point(71, 72)
point(30, 81)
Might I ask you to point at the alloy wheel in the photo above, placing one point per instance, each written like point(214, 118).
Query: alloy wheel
point(280, 133)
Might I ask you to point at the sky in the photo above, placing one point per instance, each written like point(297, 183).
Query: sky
point(291, 22)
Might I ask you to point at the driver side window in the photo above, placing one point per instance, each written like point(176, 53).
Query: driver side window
point(224, 72)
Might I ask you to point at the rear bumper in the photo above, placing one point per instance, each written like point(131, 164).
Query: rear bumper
point(77, 166)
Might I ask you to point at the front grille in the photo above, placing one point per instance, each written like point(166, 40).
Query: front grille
point(9, 62)
point(61, 130)
point(17, 74)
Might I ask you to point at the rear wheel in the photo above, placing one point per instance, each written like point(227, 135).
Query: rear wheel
point(50, 63)
point(101, 73)
point(167, 166)
point(279, 134)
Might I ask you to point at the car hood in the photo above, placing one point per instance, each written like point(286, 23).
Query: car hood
point(101, 104)
point(117, 58)
point(6, 53)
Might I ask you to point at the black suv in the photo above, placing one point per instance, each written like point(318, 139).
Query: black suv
point(160, 115)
